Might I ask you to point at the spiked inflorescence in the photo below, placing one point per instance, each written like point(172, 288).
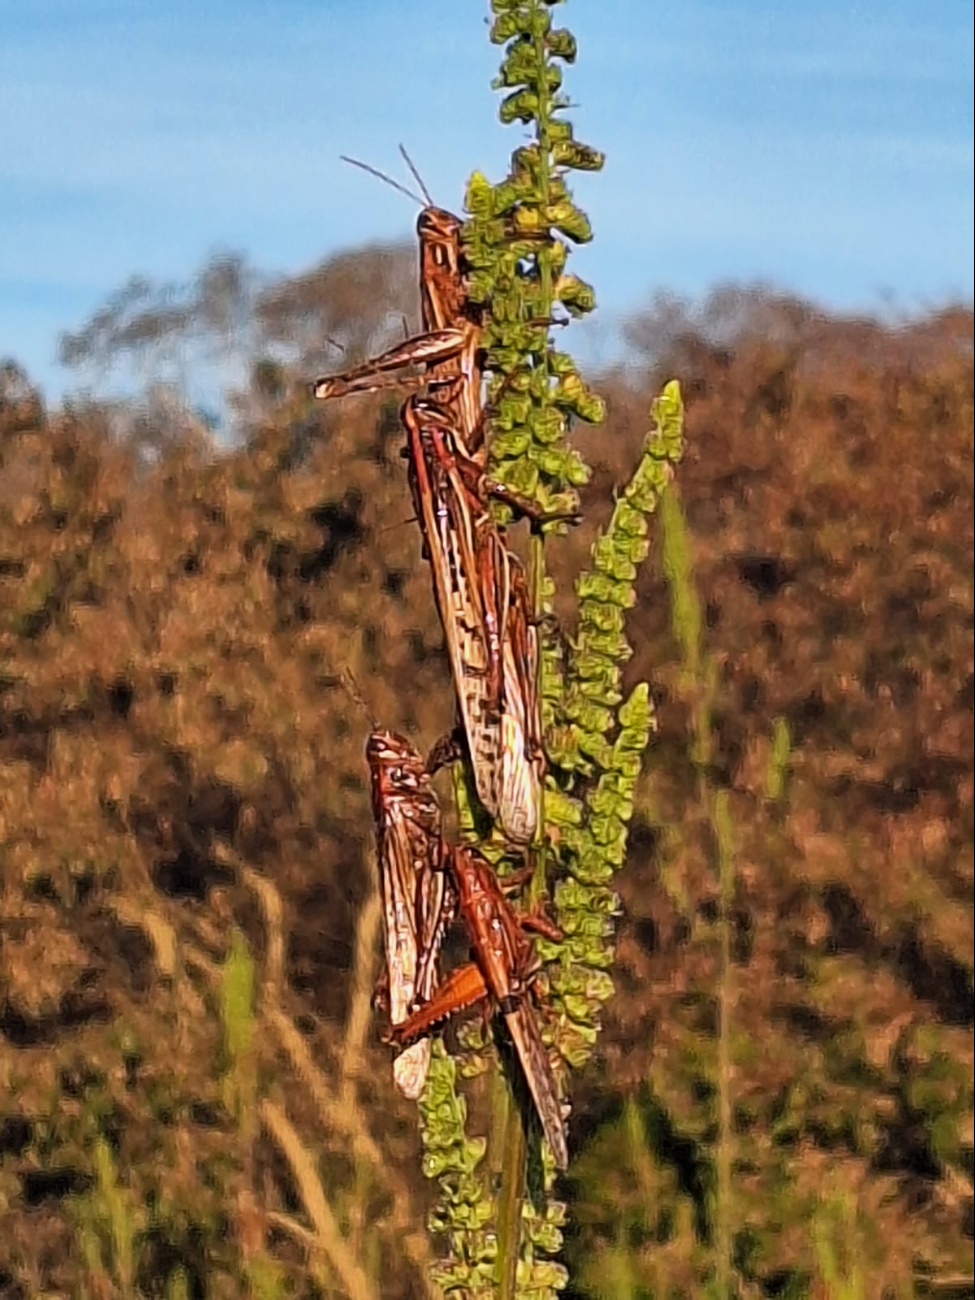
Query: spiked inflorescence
point(549, 748)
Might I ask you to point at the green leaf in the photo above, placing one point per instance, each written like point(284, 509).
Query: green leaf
point(775, 776)
point(237, 998)
point(571, 221)
point(590, 716)
point(632, 739)
point(569, 153)
point(547, 426)
point(522, 106)
point(511, 445)
point(478, 198)
point(667, 412)
point(560, 808)
point(603, 618)
point(608, 644)
point(576, 295)
point(561, 44)
point(592, 868)
point(599, 586)
point(636, 711)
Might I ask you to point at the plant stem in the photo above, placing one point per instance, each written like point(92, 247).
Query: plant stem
point(542, 121)
point(701, 677)
point(537, 561)
point(721, 822)
point(512, 1194)
point(515, 1154)
point(515, 1159)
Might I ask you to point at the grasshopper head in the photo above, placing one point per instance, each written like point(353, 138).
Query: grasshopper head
point(393, 761)
point(442, 288)
point(438, 224)
point(388, 748)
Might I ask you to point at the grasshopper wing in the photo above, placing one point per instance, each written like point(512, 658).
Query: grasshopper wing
point(413, 887)
point(523, 1028)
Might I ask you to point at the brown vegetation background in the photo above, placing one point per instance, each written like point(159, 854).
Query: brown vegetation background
point(180, 762)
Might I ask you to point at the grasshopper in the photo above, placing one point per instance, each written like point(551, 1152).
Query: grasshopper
point(424, 883)
point(449, 347)
point(411, 869)
point(479, 584)
point(504, 966)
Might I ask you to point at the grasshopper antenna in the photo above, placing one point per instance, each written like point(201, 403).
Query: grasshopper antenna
point(416, 176)
point(351, 688)
point(374, 171)
point(391, 528)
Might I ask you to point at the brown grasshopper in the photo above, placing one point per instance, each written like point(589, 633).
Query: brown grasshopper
point(449, 347)
point(424, 883)
point(411, 869)
point(482, 599)
point(504, 965)
point(479, 585)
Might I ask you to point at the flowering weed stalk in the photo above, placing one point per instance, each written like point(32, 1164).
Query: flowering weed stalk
point(503, 1233)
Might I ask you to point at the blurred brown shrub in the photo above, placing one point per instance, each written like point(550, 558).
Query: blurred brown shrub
point(175, 620)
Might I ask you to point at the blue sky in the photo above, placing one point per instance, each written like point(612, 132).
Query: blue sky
point(823, 146)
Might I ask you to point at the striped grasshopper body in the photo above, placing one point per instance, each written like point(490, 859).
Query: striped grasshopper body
point(504, 966)
point(481, 597)
point(408, 832)
point(479, 585)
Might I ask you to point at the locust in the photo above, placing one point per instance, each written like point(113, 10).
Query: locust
point(450, 345)
point(411, 869)
point(504, 966)
point(425, 883)
point(479, 584)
